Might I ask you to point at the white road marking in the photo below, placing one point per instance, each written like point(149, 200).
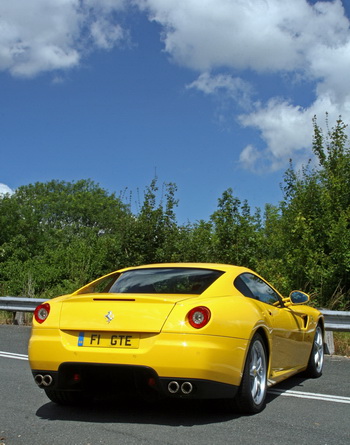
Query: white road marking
point(13, 355)
point(309, 395)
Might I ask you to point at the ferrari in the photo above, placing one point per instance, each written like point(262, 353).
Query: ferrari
point(179, 330)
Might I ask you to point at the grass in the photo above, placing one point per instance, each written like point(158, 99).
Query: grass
point(342, 343)
point(8, 318)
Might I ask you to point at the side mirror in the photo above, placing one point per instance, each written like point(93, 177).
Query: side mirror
point(298, 297)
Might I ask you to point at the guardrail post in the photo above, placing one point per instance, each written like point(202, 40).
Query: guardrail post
point(329, 342)
point(18, 318)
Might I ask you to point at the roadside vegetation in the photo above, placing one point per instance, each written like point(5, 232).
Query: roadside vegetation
point(342, 343)
point(57, 236)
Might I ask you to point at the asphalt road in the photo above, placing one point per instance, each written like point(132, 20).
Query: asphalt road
point(313, 412)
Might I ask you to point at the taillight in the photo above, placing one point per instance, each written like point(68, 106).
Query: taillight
point(42, 312)
point(198, 317)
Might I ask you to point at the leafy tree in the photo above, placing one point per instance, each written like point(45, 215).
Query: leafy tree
point(236, 232)
point(315, 220)
point(197, 242)
point(154, 229)
point(57, 231)
point(226, 226)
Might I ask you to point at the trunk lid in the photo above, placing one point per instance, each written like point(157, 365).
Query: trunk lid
point(123, 312)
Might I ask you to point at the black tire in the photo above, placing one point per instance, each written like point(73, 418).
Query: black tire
point(67, 397)
point(315, 366)
point(251, 396)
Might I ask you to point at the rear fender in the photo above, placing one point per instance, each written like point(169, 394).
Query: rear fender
point(231, 316)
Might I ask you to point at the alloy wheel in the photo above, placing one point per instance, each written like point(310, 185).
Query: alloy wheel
point(257, 372)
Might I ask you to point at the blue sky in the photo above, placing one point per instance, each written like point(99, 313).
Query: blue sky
point(208, 94)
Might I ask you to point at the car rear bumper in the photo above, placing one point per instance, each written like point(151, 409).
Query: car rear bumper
point(171, 356)
point(126, 379)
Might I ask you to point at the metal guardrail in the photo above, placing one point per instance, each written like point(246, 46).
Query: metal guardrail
point(334, 320)
point(19, 304)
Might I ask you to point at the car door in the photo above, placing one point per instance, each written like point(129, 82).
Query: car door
point(289, 349)
point(287, 327)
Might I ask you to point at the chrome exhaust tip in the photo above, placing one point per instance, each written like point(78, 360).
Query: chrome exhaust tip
point(47, 380)
point(173, 387)
point(43, 380)
point(187, 388)
point(38, 379)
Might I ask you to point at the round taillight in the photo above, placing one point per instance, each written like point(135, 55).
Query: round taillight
point(42, 312)
point(198, 317)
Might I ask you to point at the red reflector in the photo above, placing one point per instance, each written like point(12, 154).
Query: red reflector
point(76, 377)
point(151, 381)
point(199, 316)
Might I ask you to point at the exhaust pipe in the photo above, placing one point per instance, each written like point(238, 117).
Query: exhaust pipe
point(38, 379)
point(47, 380)
point(43, 380)
point(186, 388)
point(173, 387)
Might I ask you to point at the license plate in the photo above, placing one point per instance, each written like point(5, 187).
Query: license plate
point(108, 340)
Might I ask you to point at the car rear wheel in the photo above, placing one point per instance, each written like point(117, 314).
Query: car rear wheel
point(66, 397)
point(252, 392)
point(315, 365)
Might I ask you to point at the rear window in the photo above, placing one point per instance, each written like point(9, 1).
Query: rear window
point(164, 281)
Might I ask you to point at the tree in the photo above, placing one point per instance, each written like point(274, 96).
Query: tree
point(57, 232)
point(236, 232)
point(315, 220)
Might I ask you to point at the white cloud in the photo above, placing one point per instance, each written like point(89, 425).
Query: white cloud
point(332, 65)
point(285, 129)
point(249, 157)
point(46, 35)
point(263, 35)
point(105, 34)
point(224, 41)
point(234, 88)
point(309, 42)
point(5, 189)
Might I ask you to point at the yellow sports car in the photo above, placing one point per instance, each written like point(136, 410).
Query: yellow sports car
point(175, 330)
